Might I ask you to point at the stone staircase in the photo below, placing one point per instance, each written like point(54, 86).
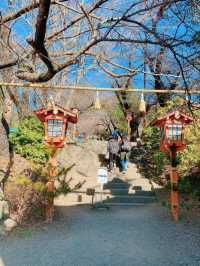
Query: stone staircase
point(120, 190)
point(129, 189)
point(124, 192)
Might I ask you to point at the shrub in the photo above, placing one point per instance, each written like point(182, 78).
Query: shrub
point(39, 186)
point(189, 159)
point(184, 185)
point(153, 156)
point(28, 141)
point(27, 205)
point(118, 117)
point(23, 180)
point(28, 196)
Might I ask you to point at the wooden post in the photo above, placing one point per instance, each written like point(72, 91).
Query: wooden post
point(174, 188)
point(50, 187)
point(174, 194)
point(129, 118)
point(74, 132)
point(129, 128)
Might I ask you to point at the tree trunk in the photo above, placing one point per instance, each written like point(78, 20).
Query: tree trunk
point(4, 150)
point(6, 153)
point(6, 107)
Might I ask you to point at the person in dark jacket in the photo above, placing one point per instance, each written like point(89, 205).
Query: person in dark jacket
point(113, 149)
point(116, 133)
point(125, 149)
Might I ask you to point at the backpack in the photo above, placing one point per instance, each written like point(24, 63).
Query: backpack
point(125, 146)
point(115, 134)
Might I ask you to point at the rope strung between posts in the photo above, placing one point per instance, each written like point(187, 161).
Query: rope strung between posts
point(97, 103)
point(85, 88)
point(142, 104)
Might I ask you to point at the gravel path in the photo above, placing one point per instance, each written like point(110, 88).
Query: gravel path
point(128, 236)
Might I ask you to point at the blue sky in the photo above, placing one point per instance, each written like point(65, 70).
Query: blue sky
point(95, 77)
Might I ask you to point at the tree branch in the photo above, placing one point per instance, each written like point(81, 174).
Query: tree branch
point(11, 63)
point(24, 10)
point(38, 43)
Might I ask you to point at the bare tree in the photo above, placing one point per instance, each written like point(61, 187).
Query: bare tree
point(103, 21)
point(106, 35)
point(6, 109)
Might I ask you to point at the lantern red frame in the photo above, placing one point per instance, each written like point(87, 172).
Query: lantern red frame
point(56, 112)
point(171, 146)
point(164, 122)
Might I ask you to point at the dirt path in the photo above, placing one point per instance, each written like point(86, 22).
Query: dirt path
point(121, 236)
point(128, 236)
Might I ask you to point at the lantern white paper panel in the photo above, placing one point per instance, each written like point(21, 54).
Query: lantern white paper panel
point(55, 127)
point(175, 132)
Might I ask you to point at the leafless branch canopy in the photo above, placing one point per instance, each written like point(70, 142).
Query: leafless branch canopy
point(108, 35)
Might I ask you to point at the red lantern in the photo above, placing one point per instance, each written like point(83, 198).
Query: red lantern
point(172, 130)
point(55, 119)
point(172, 140)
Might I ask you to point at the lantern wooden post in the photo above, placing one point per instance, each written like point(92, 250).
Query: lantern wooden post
point(129, 118)
point(172, 141)
point(50, 186)
point(74, 132)
point(129, 128)
point(55, 119)
point(174, 186)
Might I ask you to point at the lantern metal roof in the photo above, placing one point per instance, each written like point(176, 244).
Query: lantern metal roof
point(173, 116)
point(57, 110)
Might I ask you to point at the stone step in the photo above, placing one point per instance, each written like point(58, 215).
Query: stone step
point(82, 198)
point(124, 204)
point(126, 186)
point(116, 186)
point(118, 191)
point(130, 200)
point(149, 193)
point(118, 180)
